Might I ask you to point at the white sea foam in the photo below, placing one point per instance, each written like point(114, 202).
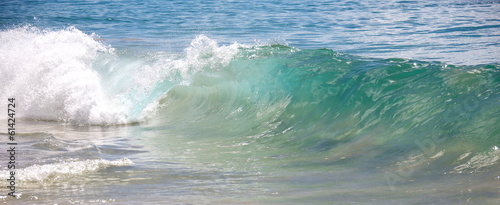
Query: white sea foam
point(56, 171)
point(50, 74)
point(204, 51)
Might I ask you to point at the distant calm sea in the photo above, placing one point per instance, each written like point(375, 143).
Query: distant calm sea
point(251, 102)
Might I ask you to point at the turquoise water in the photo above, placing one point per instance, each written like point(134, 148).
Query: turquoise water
point(229, 102)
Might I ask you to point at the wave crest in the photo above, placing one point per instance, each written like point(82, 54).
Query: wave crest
point(68, 76)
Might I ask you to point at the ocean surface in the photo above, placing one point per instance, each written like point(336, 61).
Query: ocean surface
point(251, 102)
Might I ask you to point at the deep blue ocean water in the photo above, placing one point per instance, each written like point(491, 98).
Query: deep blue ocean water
point(236, 102)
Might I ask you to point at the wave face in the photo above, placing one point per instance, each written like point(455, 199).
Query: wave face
point(395, 112)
